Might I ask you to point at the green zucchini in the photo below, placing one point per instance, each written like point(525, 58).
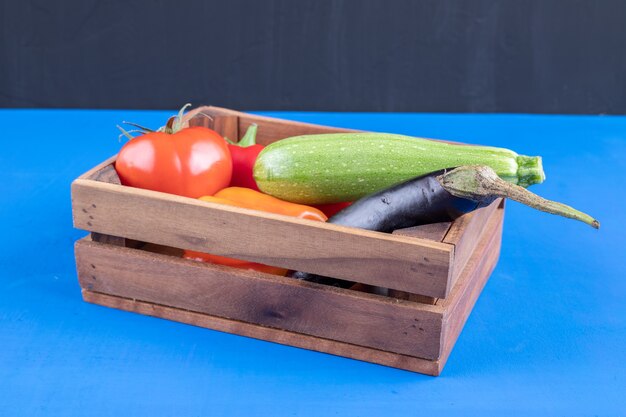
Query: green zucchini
point(336, 167)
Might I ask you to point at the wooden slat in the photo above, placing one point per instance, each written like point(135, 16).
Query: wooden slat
point(199, 119)
point(106, 174)
point(456, 309)
point(227, 126)
point(408, 264)
point(433, 231)
point(93, 173)
point(463, 234)
point(270, 129)
point(416, 298)
point(272, 301)
point(409, 363)
point(111, 240)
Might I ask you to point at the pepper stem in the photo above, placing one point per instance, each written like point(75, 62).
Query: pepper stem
point(249, 138)
point(481, 183)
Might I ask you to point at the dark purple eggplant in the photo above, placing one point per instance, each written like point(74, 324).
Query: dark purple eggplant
point(421, 200)
point(436, 197)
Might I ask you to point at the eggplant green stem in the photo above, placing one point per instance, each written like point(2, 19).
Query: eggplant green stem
point(481, 183)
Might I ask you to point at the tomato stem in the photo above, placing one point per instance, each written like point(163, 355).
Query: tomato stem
point(177, 124)
point(144, 129)
point(173, 125)
point(124, 133)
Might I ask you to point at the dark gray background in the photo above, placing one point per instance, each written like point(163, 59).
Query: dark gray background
point(542, 56)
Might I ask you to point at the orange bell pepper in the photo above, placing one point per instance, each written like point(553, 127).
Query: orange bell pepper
point(251, 199)
point(248, 198)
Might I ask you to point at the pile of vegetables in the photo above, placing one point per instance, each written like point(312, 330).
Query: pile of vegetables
point(373, 181)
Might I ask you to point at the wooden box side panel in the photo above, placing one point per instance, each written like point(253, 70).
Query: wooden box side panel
point(279, 302)
point(395, 360)
point(464, 234)
point(270, 129)
point(304, 341)
point(100, 274)
point(401, 263)
point(457, 309)
point(343, 315)
point(460, 236)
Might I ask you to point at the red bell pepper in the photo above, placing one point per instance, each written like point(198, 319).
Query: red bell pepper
point(331, 209)
point(244, 154)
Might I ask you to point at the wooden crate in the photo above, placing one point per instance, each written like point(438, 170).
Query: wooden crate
point(415, 288)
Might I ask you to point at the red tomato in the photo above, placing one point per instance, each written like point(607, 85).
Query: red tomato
point(192, 162)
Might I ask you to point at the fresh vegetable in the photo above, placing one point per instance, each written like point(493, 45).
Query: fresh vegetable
point(191, 162)
point(331, 168)
point(439, 196)
point(247, 198)
point(250, 199)
point(421, 200)
point(482, 184)
point(232, 262)
point(244, 154)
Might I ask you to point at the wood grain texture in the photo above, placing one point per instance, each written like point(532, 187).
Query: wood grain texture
point(488, 221)
point(454, 310)
point(463, 235)
point(460, 235)
point(227, 126)
point(95, 172)
point(413, 265)
point(416, 298)
point(106, 174)
point(270, 129)
point(273, 301)
point(457, 309)
point(409, 363)
point(111, 240)
point(433, 231)
point(197, 118)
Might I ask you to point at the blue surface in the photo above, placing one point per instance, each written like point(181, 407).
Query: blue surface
point(547, 336)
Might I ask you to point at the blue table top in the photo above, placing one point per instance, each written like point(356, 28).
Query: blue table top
point(546, 337)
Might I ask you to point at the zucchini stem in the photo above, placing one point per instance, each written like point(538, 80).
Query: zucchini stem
point(481, 183)
point(529, 170)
